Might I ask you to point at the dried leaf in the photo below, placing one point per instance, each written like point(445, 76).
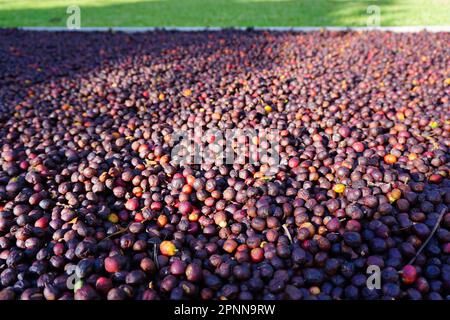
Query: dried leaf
point(73, 221)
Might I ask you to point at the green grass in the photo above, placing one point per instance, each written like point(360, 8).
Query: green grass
point(223, 13)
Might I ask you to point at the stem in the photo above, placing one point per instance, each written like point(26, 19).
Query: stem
point(438, 222)
point(288, 234)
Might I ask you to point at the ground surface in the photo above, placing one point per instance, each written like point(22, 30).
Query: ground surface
point(88, 182)
point(228, 13)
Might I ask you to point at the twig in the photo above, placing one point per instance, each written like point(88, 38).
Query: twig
point(401, 229)
point(288, 234)
point(155, 255)
point(117, 232)
point(438, 222)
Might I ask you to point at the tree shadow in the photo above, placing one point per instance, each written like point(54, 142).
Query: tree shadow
point(32, 60)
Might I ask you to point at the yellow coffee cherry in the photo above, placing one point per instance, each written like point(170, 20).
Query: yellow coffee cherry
point(339, 188)
point(114, 218)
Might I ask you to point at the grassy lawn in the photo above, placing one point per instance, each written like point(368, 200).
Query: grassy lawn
point(223, 13)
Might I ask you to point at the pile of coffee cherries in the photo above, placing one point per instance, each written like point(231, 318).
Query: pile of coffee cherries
point(93, 204)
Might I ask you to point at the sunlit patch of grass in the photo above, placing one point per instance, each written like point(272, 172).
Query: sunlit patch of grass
point(223, 13)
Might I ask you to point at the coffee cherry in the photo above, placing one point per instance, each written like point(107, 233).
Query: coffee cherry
point(167, 248)
point(409, 274)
